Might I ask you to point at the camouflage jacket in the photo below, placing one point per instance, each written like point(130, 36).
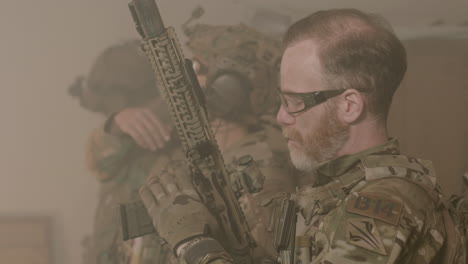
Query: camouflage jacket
point(375, 206)
point(122, 167)
point(268, 148)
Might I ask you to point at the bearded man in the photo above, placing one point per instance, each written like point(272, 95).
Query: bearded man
point(364, 202)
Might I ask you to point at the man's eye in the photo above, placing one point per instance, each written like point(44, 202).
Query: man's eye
point(294, 102)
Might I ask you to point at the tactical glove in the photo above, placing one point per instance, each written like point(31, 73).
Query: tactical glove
point(177, 212)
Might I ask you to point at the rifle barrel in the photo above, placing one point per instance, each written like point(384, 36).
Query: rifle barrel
point(147, 18)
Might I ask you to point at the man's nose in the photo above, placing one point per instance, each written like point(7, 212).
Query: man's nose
point(284, 118)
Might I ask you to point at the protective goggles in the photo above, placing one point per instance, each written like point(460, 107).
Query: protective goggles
point(295, 103)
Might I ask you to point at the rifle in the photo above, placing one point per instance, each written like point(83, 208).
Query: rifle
point(178, 83)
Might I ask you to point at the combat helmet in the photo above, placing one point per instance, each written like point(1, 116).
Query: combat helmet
point(121, 76)
point(243, 52)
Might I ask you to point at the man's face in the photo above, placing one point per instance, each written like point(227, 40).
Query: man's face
point(317, 134)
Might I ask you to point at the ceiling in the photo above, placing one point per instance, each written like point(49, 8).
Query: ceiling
point(410, 18)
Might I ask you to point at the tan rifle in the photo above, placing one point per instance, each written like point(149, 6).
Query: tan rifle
point(178, 83)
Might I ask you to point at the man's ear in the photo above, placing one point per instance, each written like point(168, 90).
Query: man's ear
point(352, 106)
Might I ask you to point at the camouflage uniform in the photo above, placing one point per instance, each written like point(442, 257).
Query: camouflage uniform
point(254, 58)
point(266, 145)
point(121, 72)
point(375, 206)
point(122, 167)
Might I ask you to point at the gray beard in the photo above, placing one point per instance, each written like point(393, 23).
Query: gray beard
point(302, 161)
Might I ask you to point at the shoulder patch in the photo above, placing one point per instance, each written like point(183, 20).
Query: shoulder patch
point(375, 206)
point(363, 232)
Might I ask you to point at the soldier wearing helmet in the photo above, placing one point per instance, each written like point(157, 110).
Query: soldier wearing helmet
point(135, 141)
point(240, 57)
point(237, 68)
point(368, 203)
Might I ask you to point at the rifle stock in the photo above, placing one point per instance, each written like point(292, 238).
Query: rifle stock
point(179, 85)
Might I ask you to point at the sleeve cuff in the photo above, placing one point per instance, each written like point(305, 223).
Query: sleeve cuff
point(202, 250)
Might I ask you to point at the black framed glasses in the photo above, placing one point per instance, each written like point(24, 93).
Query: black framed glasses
point(296, 103)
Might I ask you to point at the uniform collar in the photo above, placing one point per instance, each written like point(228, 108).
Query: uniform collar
point(343, 164)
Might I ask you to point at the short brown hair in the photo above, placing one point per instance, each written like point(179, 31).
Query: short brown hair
point(356, 50)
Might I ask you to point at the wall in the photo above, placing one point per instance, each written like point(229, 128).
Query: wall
point(44, 45)
point(429, 113)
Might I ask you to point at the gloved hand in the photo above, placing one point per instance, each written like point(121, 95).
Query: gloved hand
point(177, 212)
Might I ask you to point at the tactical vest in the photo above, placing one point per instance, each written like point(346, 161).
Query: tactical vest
point(380, 167)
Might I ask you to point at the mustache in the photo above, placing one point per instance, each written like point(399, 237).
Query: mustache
point(293, 134)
